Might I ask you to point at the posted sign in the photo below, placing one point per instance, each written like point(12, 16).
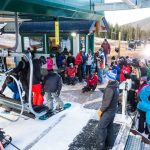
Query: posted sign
point(57, 33)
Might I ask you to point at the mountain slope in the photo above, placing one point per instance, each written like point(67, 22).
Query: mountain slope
point(144, 24)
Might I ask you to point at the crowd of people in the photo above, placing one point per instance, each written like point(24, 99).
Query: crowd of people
point(88, 67)
point(127, 70)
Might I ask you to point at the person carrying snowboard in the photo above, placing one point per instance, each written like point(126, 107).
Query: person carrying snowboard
point(52, 86)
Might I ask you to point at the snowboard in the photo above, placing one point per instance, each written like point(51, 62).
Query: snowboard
point(54, 112)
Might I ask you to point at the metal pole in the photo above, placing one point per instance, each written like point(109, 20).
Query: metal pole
point(30, 89)
point(17, 32)
point(124, 99)
point(119, 46)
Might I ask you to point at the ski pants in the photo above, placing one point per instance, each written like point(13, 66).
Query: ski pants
point(105, 130)
point(100, 75)
point(132, 99)
point(50, 98)
point(84, 70)
point(71, 80)
point(38, 99)
point(89, 88)
point(79, 73)
point(142, 119)
point(88, 70)
point(106, 58)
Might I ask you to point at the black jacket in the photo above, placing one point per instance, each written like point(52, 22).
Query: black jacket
point(110, 97)
point(70, 59)
point(143, 71)
point(36, 71)
point(22, 70)
point(52, 83)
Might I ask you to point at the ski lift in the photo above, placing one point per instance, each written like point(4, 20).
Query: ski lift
point(24, 108)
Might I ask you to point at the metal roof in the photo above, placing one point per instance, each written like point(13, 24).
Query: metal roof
point(64, 26)
point(77, 9)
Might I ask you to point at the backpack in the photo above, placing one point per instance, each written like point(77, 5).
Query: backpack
point(49, 64)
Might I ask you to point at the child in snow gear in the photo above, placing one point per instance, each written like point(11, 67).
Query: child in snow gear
point(107, 112)
point(91, 83)
point(70, 73)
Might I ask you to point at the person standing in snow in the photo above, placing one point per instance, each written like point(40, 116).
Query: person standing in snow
point(52, 86)
point(78, 63)
point(89, 62)
point(144, 103)
point(106, 46)
point(107, 112)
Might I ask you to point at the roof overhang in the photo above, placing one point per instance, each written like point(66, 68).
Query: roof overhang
point(48, 8)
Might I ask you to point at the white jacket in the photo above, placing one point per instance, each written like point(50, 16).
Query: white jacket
point(89, 60)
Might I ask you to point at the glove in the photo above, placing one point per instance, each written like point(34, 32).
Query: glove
point(99, 113)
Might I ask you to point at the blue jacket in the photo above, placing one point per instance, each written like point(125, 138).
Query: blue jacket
point(117, 68)
point(144, 104)
point(14, 89)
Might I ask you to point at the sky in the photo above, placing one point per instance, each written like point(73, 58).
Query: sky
point(126, 16)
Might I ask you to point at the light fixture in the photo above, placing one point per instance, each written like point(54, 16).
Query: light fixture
point(73, 34)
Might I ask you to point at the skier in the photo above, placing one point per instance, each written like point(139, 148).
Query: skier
point(107, 112)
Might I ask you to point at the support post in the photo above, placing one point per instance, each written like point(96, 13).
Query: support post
point(119, 44)
point(124, 99)
point(56, 32)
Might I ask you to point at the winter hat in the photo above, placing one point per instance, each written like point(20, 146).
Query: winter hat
point(111, 75)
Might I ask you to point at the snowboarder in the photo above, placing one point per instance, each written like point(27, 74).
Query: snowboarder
point(52, 85)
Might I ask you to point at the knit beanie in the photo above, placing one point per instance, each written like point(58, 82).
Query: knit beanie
point(111, 75)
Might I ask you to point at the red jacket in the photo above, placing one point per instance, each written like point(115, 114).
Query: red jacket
point(78, 59)
point(71, 72)
point(124, 69)
point(92, 81)
point(106, 47)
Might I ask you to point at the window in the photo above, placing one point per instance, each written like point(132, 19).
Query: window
point(65, 44)
point(34, 43)
point(82, 43)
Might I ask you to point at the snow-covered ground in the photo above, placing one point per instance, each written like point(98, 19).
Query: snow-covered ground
point(59, 131)
point(56, 133)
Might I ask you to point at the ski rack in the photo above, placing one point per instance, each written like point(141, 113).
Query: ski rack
point(21, 106)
